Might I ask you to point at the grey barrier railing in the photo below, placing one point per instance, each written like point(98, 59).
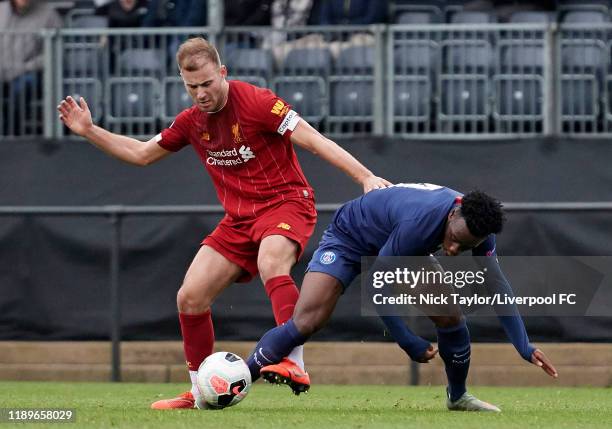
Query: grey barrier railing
point(476, 80)
point(115, 214)
point(415, 81)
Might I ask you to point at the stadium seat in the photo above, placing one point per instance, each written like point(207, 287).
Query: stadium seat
point(306, 94)
point(307, 61)
point(579, 95)
point(532, 17)
point(131, 100)
point(417, 18)
point(87, 87)
point(82, 60)
point(464, 98)
point(473, 17)
point(250, 62)
point(304, 82)
point(518, 97)
point(522, 56)
point(174, 98)
point(432, 8)
point(253, 80)
point(565, 6)
point(414, 64)
point(583, 66)
point(352, 98)
point(89, 21)
point(411, 98)
point(414, 57)
point(466, 56)
point(585, 17)
point(583, 56)
point(355, 60)
point(142, 62)
point(519, 85)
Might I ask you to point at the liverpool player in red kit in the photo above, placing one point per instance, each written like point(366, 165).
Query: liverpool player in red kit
point(244, 136)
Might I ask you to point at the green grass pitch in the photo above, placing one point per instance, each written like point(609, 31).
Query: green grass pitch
point(126, 405)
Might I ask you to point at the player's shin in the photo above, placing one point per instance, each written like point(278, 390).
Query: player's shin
point(283, 294)
point(273, 346)
point(454, 346)
point(198, 341)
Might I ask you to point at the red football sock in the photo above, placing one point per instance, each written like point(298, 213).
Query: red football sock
point(198, 337)
point(283, 295)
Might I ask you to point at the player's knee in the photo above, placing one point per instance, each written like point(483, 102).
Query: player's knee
point(270, 266)
point(190, 302)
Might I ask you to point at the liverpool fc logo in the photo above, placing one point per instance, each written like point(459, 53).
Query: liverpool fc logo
point(236, 133)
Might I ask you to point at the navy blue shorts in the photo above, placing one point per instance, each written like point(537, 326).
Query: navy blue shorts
point(336, 258)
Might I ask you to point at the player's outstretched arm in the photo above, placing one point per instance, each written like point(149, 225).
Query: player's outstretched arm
point(77, 117)
point(538, 358)
point(310, 139)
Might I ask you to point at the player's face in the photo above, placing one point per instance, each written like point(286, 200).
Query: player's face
point(207, 86)
point(21, 5)
point(457, 236)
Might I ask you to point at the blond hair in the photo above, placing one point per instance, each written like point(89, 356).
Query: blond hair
point(194, 53)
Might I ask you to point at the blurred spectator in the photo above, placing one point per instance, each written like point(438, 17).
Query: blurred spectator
point(353, 12)
point(124, 13)
point(176, 13)
point(287, 14)
point(21, 61)
point(98, 3)
point(290, 13)
point(315, 12)
point(247, 12)
point(244, 13)
point(505, 8)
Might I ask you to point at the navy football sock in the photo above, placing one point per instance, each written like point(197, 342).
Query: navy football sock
point(454, 346)
point(274, 346)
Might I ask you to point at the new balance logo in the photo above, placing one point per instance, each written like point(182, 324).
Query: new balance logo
point(279, 108)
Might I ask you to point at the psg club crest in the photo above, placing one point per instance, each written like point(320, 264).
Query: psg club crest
point(327, 258)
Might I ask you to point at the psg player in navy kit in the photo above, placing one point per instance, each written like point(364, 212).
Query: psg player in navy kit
point(403, 220)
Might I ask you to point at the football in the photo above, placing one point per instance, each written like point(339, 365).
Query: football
point(223, 380)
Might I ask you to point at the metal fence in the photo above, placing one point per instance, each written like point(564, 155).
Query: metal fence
point(416, 81)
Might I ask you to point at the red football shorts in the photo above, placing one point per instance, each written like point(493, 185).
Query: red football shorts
point(239, 241)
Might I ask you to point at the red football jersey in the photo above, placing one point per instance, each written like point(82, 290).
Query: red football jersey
point(246, 149)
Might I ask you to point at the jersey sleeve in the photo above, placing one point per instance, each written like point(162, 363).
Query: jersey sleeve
point(175, 137)
point(274, 114)
point(495, 282)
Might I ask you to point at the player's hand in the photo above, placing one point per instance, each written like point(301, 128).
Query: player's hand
point(75, 116)
point(429, 354)
point(538, 358)
point(374, 182)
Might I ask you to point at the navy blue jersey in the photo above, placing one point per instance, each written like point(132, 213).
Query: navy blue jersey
point(407, 219)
